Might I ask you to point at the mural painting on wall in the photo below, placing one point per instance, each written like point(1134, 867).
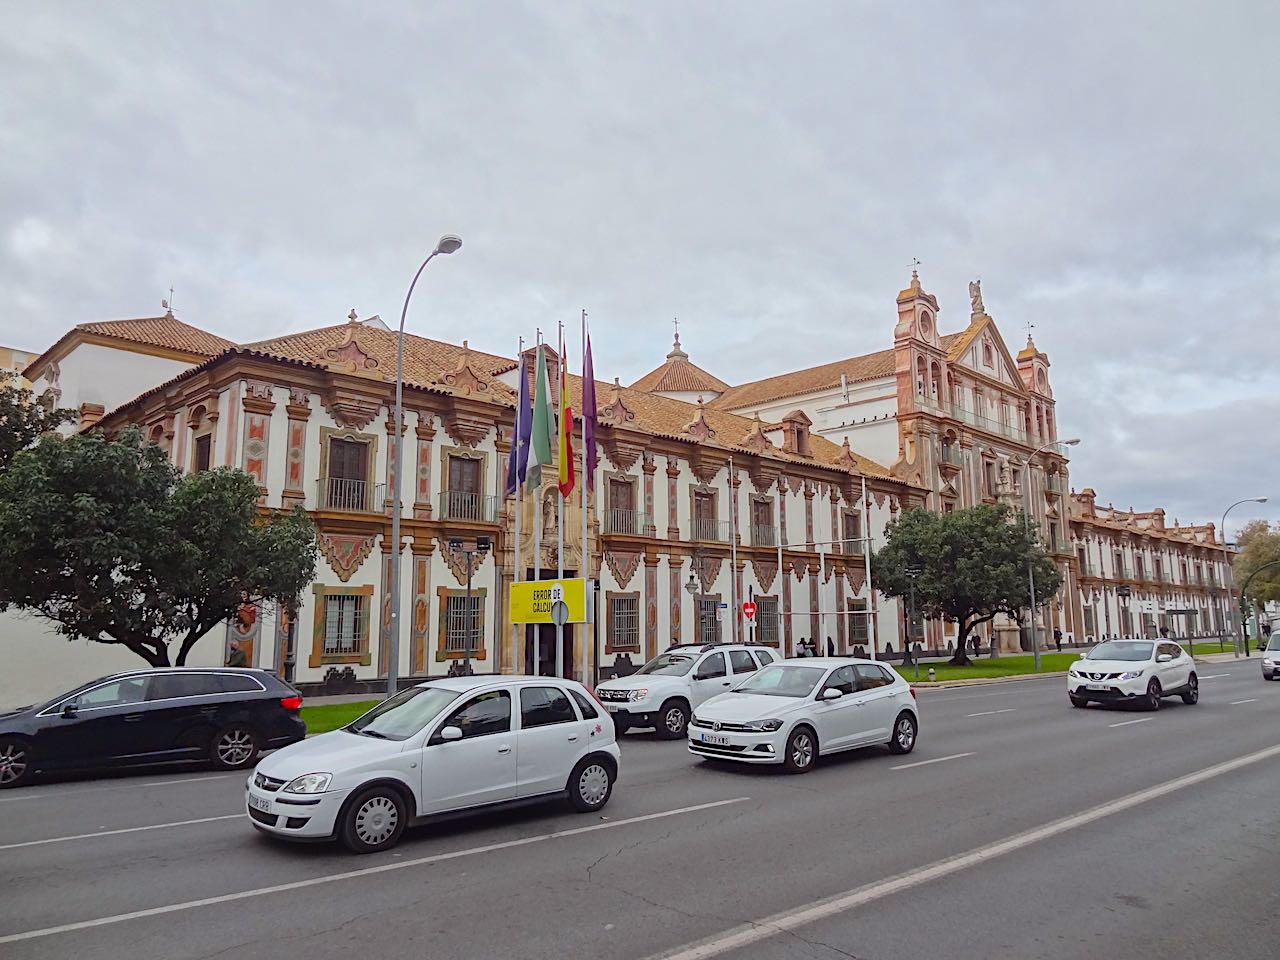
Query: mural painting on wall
point(243, 631)
point(345, 552)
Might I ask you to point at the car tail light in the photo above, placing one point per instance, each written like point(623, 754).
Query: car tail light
point(291, 703)
point(913, 692)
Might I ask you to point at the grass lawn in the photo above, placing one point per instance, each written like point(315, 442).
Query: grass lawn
point(985, 667)
point(331, 716)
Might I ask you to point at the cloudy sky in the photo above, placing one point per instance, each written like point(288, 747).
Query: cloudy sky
point(765, 172)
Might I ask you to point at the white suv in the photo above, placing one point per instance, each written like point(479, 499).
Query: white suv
point(1133, 671)
point(665, 691)
point(434, 749)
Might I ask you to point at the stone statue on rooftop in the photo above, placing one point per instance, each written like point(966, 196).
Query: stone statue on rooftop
point(975, 298)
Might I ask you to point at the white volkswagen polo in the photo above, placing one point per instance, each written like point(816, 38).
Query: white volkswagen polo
point(438, 748)
point(792, 711)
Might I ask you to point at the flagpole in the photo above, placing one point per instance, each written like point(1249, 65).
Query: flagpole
point(586, 481)
point(537, 542)
point(517, 574)
point(733, 556)
point(560, 515)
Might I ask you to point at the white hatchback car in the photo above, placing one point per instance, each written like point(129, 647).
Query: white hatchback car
point(792, 711)
point(664, 692)
point(1133, 671)
point(438, 748)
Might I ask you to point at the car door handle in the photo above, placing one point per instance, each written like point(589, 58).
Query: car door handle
point(134, 717)
point(504, 749)
point(573, 738)
point(725, 684)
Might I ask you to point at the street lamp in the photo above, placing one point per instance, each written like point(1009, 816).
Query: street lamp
point(446, 245)
point(1026, 518)
point(1227, 574)
point(696, 589)
point(480, 549)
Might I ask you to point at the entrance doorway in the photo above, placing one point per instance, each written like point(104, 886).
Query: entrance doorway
point(545, 636)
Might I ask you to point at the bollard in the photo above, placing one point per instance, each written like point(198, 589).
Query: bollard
point(933, 674)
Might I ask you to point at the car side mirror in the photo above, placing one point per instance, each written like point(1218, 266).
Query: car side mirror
point(1163, 658)
point(451, 733)
point(832, 693)
point(69, 711)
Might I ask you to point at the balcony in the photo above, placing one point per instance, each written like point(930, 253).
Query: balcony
point(951, 455)
point(470, 507)
point(715, 531)
point(1059, 546)
point(991, 426)
point(764, 535)
point(1053, 485)
point(855, 546)
point(634, 523)
point(351, 496)
point(1088, 569)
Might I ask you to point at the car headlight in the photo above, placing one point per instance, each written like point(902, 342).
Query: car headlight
point(1132, 675)
point(639, 694)
point(309, 783)
point(766, 726)
point(1073, 671)
point(1268, 663)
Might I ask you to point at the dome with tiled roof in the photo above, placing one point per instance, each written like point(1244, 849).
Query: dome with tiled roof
point(680, 378)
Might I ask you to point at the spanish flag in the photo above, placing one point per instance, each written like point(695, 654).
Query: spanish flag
point(566, 426)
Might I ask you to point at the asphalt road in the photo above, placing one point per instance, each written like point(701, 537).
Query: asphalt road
point(1038, 831)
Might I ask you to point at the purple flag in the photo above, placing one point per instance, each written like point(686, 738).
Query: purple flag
point(589, 413)
point(519, 462)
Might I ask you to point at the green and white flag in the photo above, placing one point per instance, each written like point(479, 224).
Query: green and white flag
point(544, 424)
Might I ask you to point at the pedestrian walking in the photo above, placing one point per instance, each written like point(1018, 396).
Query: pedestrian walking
point(1057, 639)
point(831, 647)
point(977, 644)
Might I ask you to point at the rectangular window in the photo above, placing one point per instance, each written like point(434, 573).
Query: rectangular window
point(852, 522)
point(1140, 568)
point(463, 496)
point(622, 517)
point(1090, 629)
point(542, 706)
point(859, 628)
point(708, 625)
point(624, 623)
point(203, 452)
point(767, 618)
point(345, 623)
point(346, 487)
point(989, 478)
point(763, 533)
point(705, 526)
point(462, 621)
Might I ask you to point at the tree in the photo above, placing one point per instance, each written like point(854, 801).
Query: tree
point(973, 566)
point(1259, 544)
point(25, 418)
point(106, 539)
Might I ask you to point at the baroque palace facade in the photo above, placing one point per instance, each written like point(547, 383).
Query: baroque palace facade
point(793, 477)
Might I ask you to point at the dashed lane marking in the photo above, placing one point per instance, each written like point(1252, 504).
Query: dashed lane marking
point(992, 713)
point(1236, 703)
point(1126, 723)
point(109, 833)
point(925, 763)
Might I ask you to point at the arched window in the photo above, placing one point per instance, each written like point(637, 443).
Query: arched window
point(920, 377)
point(935, 380)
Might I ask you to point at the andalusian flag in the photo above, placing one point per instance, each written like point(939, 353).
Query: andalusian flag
point(544, 425)
point(566, 426)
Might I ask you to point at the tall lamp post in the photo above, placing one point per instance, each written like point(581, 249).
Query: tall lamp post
point(1226, 574)
point(479, 550)
point(1026, 518)
point(448, 244)
point(695, 589)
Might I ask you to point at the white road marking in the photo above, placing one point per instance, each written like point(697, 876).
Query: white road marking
point(934, 693)
point(758, 930)
point(992, 713)
point(1215, 676)
point(1236, 703)
point(353, 874)
point(108, 833)
point(925, 763)
point(48, 791)
point(1125, 723)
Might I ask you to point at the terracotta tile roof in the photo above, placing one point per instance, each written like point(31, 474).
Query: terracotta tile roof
point(167, 331)
point(869, 366)
point(679, 375)
point(368, 351)
point(667, 417)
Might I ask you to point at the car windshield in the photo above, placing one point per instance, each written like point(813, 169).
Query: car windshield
point(404, 714)
point(778, 680)
point(1121, 650)
point(669, 665)
point(1275, 642)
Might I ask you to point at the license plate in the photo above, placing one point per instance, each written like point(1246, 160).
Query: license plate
point(714, 740)
point(258, 803)
point(1096, 686)
point(612, 708)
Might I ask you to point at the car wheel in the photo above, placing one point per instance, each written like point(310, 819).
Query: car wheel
point(673, 720)
point(234, 748)
point(904, 734)
point(1192, 696)
point(1080, 702)
point(15, 762)
point(590, 785)
point(373, 821)
point(802, 749)
point(1153, 695)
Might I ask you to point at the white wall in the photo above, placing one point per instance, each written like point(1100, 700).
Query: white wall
point(92, 373)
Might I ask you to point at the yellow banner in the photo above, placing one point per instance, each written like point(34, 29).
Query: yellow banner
point(532, 600)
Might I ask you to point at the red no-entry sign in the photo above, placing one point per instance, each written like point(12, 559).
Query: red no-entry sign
point(749, 610)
